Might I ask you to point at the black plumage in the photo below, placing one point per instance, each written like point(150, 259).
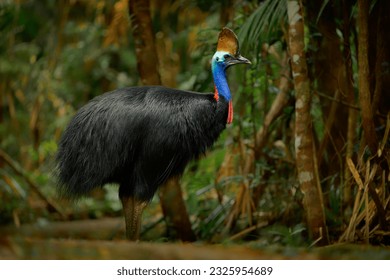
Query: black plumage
point(137, 137)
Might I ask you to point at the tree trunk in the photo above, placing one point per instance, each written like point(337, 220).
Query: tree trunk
point(350, 96)
point(145, 47)
point(304, 148)
point(147, 63)
point(175, 212)
point(381, 76)
point(364, 77)
point(329, 70)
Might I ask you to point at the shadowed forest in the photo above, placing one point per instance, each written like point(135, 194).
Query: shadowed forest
point(305, 163)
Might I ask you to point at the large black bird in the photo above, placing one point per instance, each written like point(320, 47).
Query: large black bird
point(139, 137)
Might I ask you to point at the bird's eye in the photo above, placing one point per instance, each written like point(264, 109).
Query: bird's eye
point(226, 56)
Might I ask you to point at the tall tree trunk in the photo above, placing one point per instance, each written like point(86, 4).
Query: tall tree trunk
point(381, 76)
point(365, 97)
point(145, 47)
point(350, 96)
point(329, 71)
point(304, 147)
point(227, 12)
point(175, 212)
point(171, 199)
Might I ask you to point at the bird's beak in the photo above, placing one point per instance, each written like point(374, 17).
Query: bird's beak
point(239, 59)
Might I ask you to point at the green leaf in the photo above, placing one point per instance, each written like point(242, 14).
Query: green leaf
point(264, 23)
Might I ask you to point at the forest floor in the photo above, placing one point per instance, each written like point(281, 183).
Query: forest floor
point(94, 239)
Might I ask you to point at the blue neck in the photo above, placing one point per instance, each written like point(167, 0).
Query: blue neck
point(220, 80)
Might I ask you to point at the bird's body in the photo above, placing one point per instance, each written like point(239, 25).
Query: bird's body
point(139, 137)
point(150, 136)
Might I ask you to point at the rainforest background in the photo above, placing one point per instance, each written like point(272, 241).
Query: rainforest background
point(305, 162)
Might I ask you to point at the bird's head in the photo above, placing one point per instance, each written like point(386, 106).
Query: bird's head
point(227, 53)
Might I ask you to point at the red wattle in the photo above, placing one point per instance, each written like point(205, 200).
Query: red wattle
point(230, 113)
point(216, 95)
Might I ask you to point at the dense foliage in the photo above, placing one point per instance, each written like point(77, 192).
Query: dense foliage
point(56, 55)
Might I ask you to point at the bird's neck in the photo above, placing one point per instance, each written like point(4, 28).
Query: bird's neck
point(220, 82)
point(222, 89)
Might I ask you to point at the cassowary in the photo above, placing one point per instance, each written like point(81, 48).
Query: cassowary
point(139, 137)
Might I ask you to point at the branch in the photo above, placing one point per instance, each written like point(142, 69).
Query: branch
point(351, 106)
point(20, 172)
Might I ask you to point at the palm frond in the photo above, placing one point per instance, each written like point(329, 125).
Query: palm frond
point(264, 24)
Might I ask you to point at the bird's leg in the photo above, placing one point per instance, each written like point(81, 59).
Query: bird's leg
point(133, 209)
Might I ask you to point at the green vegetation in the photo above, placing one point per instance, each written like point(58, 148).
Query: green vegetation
point(57, 55)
